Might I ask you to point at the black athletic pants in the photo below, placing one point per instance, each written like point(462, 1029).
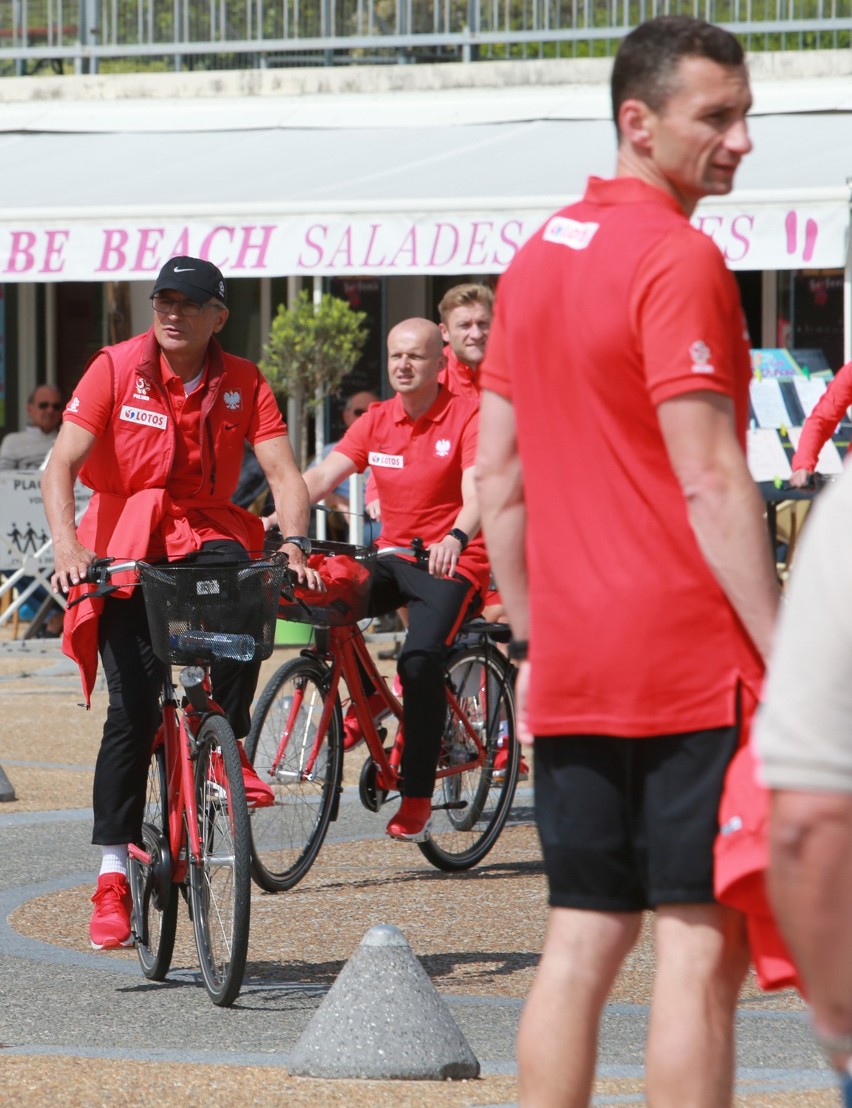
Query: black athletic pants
point(134, 677)
point(436, 607)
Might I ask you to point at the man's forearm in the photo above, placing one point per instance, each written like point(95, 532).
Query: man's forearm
point(810, 884)
point(727, 518)
point(57, 493)
point(292, 504)
point(469, 518)
point(504, 536)
point(502, 507)
point(503, 512)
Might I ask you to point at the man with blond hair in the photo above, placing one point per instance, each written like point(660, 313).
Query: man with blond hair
point(465, 312)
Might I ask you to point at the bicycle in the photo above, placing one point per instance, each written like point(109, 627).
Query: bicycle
point(195, 837)
point(296, 738)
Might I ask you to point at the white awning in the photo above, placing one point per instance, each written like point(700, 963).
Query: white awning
point(449, 182)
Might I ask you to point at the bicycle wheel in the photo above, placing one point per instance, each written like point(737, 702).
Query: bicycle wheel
point(286, 837)
point(220, 878)
point(155, 900)
point(471, 805)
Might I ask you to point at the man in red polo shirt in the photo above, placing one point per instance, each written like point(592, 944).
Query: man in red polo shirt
point(465, 312)
point(420, 446)
point(156, 428)
point(629, 546)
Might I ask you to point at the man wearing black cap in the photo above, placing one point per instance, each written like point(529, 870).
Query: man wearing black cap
point(156, 427)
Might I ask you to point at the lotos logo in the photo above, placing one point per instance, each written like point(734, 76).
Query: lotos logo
point(387, 461)
point(141, 415)
point(570, 232)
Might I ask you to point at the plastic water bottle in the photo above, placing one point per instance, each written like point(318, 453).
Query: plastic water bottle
point(240, 648)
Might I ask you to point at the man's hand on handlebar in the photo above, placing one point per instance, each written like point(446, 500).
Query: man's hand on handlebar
point(444, 557)
point(296, 558)
point(71, 561)
point(297, 563)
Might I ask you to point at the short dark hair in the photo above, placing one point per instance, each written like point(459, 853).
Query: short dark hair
point(648, 57)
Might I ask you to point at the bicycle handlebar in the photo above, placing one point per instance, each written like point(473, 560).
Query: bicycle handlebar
point(101, 569)
point(359, 553)
point(420, 552)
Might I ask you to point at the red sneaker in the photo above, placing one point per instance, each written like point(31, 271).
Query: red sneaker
point(500, 763)
point(411, 822)
point(109, 927)
point(258, 793)
point(352, 728)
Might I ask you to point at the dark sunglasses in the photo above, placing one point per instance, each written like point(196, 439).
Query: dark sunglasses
point(49, 404)
point(358, 411)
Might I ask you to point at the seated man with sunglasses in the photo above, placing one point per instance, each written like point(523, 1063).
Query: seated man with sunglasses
point(27, 449)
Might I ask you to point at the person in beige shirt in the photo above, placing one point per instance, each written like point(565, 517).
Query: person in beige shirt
point(803, 739)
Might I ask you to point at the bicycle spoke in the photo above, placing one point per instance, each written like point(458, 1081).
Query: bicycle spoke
point(471, 801)
point(303, 767)
point(154, 897)
point(220, 877)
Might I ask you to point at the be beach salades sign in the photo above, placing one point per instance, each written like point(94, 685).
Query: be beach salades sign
point(765, 233)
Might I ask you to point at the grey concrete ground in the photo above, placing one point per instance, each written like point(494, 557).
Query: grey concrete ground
point(89, 1029)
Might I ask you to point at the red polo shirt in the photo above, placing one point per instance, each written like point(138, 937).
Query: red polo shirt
point(615, 305)
point(95, 391)
point(458, 376)
point(417, 466)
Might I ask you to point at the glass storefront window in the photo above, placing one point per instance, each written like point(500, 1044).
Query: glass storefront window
point(810, 312)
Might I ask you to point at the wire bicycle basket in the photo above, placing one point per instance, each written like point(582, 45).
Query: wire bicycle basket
point(200, 612)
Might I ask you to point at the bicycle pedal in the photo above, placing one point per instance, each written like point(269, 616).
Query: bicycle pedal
point(418, 837)
point(214, 793)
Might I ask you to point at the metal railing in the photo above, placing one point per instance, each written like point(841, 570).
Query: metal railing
point(149, 35)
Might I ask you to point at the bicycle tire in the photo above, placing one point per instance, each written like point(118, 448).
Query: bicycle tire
point(155, 900)
point(470, 807)
point(286, 837)
point(220, 878)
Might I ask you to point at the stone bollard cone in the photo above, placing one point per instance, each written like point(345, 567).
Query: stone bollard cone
point(7, 791)
point(383, 1019)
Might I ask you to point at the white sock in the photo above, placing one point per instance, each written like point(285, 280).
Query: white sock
point(114, 859)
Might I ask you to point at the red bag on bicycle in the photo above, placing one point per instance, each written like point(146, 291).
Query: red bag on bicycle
point(347, 595)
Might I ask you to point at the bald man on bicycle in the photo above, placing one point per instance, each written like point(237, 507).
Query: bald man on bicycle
point(421, 446)
point(156, 428)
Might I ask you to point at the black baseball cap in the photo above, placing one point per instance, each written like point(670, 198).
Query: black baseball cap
point(195, 278)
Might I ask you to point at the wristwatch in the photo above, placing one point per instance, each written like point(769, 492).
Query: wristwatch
point(459, 535)
point(302, 541)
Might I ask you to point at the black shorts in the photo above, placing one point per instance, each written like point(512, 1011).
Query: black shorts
point(629, 824)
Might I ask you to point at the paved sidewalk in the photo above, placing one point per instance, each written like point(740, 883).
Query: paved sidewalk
point(80, 1028)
